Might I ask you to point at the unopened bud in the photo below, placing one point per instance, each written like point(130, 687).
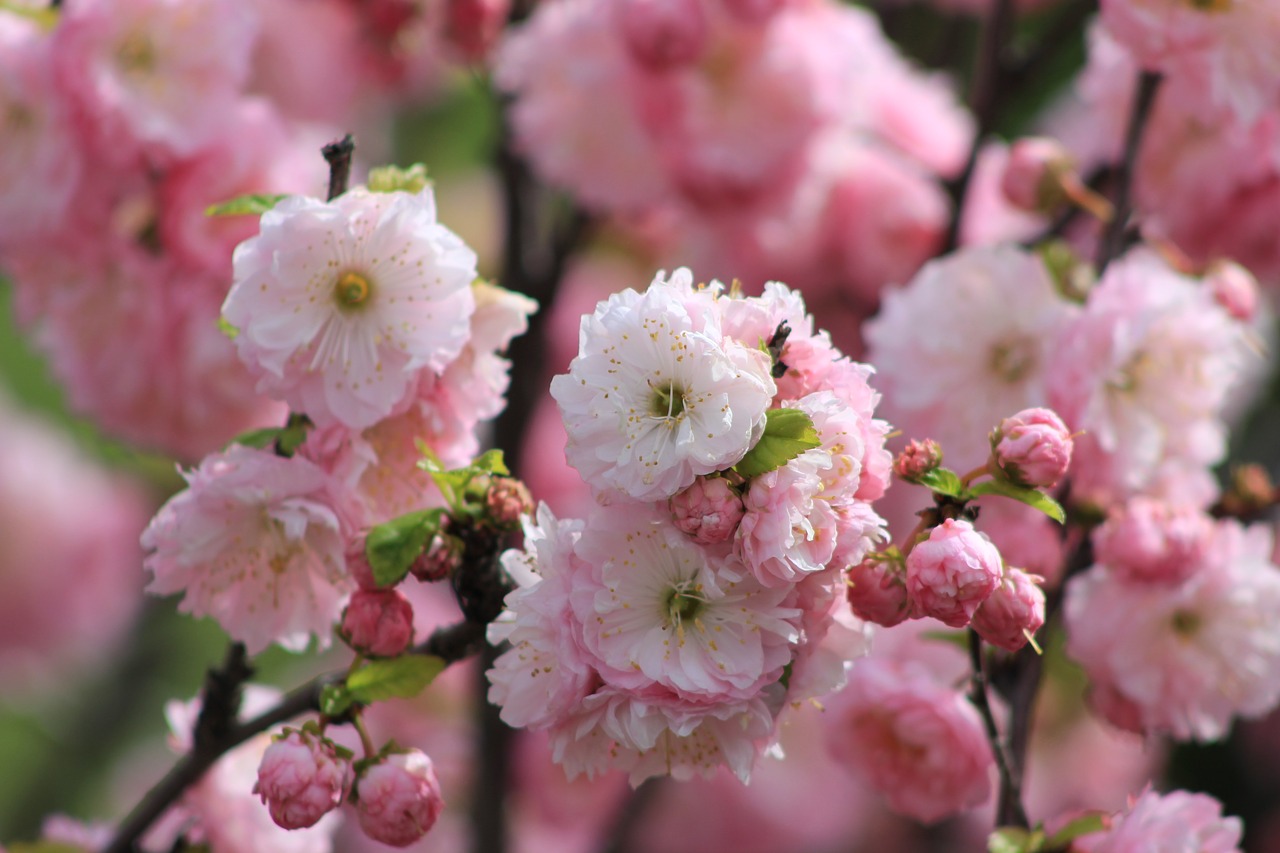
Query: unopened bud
point(1014, 611)
point(358, 564)
point(1040, 177)
point(709, 510)
point(378, 623)
point(399, 799)
point(508, 500)
point(952, 572)
point(1032, 448)
point(918, 459)
point(439, 560)
point(1234, 288)
point(663, 34)
point(302, 778)
point(877, 591)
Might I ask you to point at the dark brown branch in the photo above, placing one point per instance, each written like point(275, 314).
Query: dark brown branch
point(1113, 238)
point(1011, 811)
point(631, 812)
point(338, 156)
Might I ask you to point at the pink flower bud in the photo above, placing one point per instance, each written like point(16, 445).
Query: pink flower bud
point(1234, 288)
point(440, 559)
point(358, 565)
point(1032, 177)
point(302, 778)
point(1149, 541)
point(1013, 612)
point(508, 500)
point(399, 798)
point(918, 459)
point(754, 12)
point(1032, 448)
point(952, 572)
point(378, 622)
point(473, 26)
point(878, 593)
point(663, 34)
point(709, 510)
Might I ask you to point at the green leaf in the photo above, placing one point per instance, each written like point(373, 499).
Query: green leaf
point(46, 17)
point(389, 179)
point(335, 699)
point(787, 434)
point(398, 678)
point(491, 462)
point(1030, 497)
point(293, 435)
point(45, 847)
point(259, 438)
point(392, 547)
point(1014, 839)
point(1082, 825)
point(227, 329)
point(244, 205)
point(944, 481)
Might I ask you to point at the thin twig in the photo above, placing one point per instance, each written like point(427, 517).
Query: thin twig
point(630, 813)
point(1113, 238)
point(338, 156)
point(1011, 811)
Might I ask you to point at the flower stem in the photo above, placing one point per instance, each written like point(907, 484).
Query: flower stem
point(1011, 811)
point(1112, 241)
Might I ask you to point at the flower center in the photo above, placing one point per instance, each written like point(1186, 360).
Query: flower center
point(1211, 5)
point(1012, 361)
point(683, 603)
point(1185, 623)
point(352, 290)
point(137, 54)
point(667, 400)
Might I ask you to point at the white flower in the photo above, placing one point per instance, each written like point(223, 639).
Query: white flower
point(657, 395)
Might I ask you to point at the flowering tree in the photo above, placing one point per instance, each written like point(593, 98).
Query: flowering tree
point(715, 542)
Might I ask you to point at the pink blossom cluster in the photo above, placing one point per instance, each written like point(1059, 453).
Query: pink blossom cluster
point(365, 315)
point(766, 140)
point(1179, 820)
point(664, 633)
point(1175, 624)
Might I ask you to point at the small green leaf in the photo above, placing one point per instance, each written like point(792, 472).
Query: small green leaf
point(259, 438)
point(227, 329)
point(45, 17)
point(944, 481)
point(959, 639)
point(1030, 497)
point(392, 547)
point(491, 462)
point(1012, 839)
point(244, 205)
point(1082, 825)
point(398, 678)
point(787, 434)
point(293, 435)
point(335, 699)
point(389, 179)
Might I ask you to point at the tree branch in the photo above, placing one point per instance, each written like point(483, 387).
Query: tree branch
point(338, 156)
point(1011, 811)
point(1112, 241)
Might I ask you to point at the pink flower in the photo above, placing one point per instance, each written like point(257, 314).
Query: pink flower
point(663, 34)
point(1149, 541)
point(399, 798)
point(1179, 820)
point(878, 593)
point(1032, 448)
point(302, 778)
point(918, 743)
point(1013, 613)
point(788, 530)
point(339, 304)
point(952, 572)
point(709, 510)
point(1188, 657)
point(257, 542)
point(378, 622)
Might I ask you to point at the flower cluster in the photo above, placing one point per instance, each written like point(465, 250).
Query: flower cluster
point(734, 453)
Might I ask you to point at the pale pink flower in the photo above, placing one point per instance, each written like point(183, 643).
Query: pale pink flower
point(1014, 611)
point(1032, 448)
point(164, 72)
point(1188, 657)
point(655, 609)
point(378, 623)
point(1177, 821)
point(1145, 371)
point(256, 541)
point(658, 395)
point(339, 304)
point(709, 510)
point(992, 315)
point(301, 779)
point(918, 743)
point(952, 572)
point(788, 530)
point(1149, 541)
point(399, 798)
point(662, 34)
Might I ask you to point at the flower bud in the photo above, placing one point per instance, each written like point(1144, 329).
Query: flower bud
point(440, 559)
point(358, 564)
point(1234, 288)
point(473, 26)
point(1149, 541)
point(952, 572)
point(754, 12)
point(709, 510)
point(508, 500)
point(302, 778)
point(1013, 612)
point(398, 799)
point(877, 591)
point(663, 34)
point(378, 623)
point(1032, 448)
point(918, 459)
point(1032, 177)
